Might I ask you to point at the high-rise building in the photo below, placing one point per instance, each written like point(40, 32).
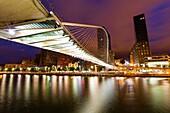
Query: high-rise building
point(103, 40)
point(141, 48)
point(102, 44)
point(140, 28)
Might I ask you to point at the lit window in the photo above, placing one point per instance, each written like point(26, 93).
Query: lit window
point(142, 18)
point(149, 58)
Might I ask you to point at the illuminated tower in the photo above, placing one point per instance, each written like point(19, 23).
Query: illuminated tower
point(104, 46)
point(141, 48)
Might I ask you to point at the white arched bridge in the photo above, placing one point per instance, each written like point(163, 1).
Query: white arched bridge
point(29, 22)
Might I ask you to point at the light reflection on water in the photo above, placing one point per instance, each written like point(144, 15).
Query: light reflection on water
point(65, 94)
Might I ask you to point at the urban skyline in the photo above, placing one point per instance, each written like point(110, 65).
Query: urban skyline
point(14, 52)
point(117, 17)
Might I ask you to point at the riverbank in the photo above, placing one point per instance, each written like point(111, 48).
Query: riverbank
point(106, 74)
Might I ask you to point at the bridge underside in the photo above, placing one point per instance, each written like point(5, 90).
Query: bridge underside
point(28, 22)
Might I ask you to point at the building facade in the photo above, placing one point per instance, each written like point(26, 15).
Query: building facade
point(28, 62)
point(12, 66)
point(64, 60)
point(104, 42)
point(160, 61)
point(141, 47)
point(47, 58)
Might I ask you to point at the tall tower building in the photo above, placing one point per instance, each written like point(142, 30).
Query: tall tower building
point(102, 44)
point(141, 48)
point(140, 28)
point(103, 40)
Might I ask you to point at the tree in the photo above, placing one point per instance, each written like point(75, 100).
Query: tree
point(59, 69)
point(33, 69)
point(24, 69)
point(122, 61)
point(77, 68)
point(64, 69)
point(17, 69)
point(71, 68)
point(85, 69)
point(99, 68)
point(9, 69)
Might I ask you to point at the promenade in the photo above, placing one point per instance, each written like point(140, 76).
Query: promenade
point(103, 74)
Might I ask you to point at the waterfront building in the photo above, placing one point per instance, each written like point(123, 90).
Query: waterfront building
point(50, 58)
point(1, 68)
point(131, 58)
point(64, 60)
point(141, 47)
point(111, 57)
point(162, 61)
point(29, 62)
point(12, 66)
point(47, 58)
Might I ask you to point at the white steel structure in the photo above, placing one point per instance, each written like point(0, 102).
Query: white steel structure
point(28, 22)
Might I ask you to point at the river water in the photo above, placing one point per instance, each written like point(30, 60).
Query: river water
point(76, 94)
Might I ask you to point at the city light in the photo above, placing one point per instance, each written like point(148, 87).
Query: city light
point(48, 65)
point(11, 31)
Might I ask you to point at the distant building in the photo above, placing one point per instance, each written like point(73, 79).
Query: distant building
point(51, 58)
point(1, 68)
point(111, 58)
point(47, 58)
point(158, 61)
point(64, 60)
point(131, 58)
point(29, 62)
point(12, 66)
point(86, 64)
point(141, 48)
point(102, 46)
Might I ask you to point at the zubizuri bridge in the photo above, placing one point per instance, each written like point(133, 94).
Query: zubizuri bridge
point(30, 22)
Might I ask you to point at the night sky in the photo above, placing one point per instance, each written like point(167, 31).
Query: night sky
point(116, 16)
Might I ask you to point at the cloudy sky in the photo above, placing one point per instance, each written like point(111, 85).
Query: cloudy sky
point(116, 16)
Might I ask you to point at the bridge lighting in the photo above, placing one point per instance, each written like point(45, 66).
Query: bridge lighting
point(11, 31)
point(92, 67)
point(60, 32)
point(57, 23)
point(69, 48)
point(60, 40)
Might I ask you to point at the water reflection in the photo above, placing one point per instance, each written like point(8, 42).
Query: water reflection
point(35, 86)
point(18, 87)
point(10, 85)
point(27, 87)
point(3, 87)
point(98, 99)
point(65, 94)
